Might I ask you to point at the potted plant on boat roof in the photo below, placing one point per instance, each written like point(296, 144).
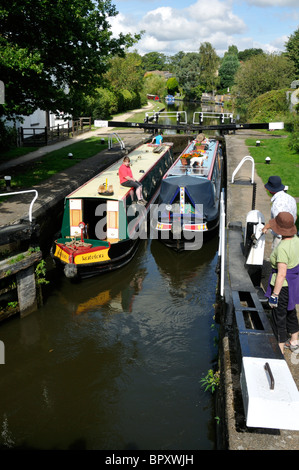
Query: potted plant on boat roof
point(185, 158)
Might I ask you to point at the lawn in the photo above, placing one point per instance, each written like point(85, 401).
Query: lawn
point(284, 162)
point(54, 162)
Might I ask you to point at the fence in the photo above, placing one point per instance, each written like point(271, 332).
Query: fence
point(39, 136)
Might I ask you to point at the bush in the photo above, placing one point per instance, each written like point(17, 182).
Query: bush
point(268, 107)
point(8, 137)
point(102, 105)
point(293, 124)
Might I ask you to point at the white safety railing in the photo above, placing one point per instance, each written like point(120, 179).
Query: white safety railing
point(221, 249)
point(24, 192)
point(198, 116)
point(180, 116)
point(244, 159)
point(119, 140)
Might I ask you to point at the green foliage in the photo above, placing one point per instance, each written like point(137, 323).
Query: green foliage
point(208, 66)
point(268, 107)
point(101, 105)
point(262, 73)
point(197, 72)
point(40, 273)
point(8, 137)
point(54, 52)
point(155, 85)
point(154, 61)
point(249, 53)
point(172, 85)
point(228, 70)
point(188, 74)
point(211, 381)
point(294, 135)
point(292, 47)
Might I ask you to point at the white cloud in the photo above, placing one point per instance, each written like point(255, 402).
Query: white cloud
point(170, 29)
point(274, 3)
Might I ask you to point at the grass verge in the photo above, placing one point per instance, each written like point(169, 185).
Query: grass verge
point(284, 162)
point(54, 162)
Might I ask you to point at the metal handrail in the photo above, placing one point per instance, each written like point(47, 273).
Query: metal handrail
point(120, 141)
point(248, 157)
point(23, 192)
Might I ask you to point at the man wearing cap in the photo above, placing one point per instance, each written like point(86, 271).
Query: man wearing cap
point(283, 284)
point(281, 202)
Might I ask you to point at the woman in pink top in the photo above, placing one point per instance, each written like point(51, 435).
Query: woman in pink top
point(126, 179)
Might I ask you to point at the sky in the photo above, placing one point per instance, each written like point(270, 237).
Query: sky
point(171, 26)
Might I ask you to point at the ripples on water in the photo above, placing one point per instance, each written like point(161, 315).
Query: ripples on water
point(115, 362)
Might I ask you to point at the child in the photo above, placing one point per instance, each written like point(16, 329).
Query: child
point(126, 179)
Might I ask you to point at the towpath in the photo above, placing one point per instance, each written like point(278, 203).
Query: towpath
point(16, 207)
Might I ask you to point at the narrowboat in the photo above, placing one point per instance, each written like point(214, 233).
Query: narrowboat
point(169, 99)
point(188, 208)
point(102, 223)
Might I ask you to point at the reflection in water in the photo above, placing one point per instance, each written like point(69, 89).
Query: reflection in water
point(115, 362)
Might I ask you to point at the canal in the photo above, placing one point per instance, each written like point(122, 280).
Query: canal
point(115, 362)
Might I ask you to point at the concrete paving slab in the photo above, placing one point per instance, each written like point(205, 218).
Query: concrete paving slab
point(239, 200)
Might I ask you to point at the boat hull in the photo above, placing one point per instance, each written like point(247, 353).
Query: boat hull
point(94, 263)
point(182, 240)
point(101, 230)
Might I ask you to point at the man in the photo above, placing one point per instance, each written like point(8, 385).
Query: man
point(281, 202)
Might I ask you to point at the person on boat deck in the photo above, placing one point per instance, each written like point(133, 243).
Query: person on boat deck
point(126, 179)
point(283, 283)
point(158, 139)
point(281, 202)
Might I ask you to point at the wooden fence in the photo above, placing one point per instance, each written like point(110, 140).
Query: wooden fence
point(39, 136)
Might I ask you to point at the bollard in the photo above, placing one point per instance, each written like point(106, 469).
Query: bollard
point(257, 143)
point(70, 155)
point(267, 160)
point(8, 182)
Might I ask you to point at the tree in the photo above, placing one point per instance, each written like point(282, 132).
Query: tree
point(126, 73)
point(154, 61)
point(208, 66)
point(232, 50)
point(228, 69)
point(292, 47)
point(125, 79)
point(54, 51)
point(172, 85)
point(249, 53)
point(155, 85)
point(187, 72)
point(262, 73)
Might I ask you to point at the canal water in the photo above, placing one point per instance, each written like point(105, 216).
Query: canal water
point(115, 362)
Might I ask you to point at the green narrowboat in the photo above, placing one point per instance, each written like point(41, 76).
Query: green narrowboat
point(102, 224)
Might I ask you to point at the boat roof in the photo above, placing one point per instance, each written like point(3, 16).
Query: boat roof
point(142, 159)
point(178, 169)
